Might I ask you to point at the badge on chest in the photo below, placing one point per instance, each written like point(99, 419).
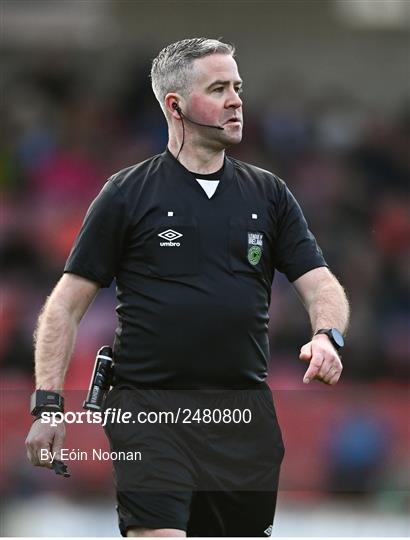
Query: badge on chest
point(255, 246)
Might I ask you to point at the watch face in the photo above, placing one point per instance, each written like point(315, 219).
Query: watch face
point(337, 337)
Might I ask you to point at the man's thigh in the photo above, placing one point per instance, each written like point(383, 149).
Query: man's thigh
point(170, 533)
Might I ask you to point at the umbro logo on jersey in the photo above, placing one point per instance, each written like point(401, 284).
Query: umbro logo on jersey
point(268, 531)
point(170, 235)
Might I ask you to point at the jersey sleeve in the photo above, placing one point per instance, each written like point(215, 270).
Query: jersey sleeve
point(296, 250)
point(97, 249)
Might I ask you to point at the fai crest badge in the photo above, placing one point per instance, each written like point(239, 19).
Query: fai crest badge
point(255, 245)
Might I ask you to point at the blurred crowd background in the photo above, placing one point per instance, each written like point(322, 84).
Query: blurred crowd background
point(326, 108)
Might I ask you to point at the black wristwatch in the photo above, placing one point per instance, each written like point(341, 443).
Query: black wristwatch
point(334, 335)
point(45, 400)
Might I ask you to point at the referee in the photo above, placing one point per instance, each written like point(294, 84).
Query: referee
point(192, 238)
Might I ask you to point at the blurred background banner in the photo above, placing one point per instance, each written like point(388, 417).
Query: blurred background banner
point(326, 108)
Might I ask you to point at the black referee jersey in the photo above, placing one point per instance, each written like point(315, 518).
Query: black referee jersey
point(193, 270)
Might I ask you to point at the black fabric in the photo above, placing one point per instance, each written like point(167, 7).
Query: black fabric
point(193, 310)
point(234, 514)
point(209, 479)
point(201, 514)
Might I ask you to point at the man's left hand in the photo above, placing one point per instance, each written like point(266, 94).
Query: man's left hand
point(325, 364)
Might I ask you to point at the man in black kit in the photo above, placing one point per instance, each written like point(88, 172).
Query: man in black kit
point(193, 238)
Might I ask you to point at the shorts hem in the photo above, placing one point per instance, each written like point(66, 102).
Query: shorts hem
point(129, 524)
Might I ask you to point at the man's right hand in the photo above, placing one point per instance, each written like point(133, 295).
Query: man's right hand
point(45, 437)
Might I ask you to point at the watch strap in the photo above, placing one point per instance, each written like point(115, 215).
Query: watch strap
point(46, 400)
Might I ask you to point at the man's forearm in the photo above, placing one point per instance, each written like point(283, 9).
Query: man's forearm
point(57, 329)
point(329, 306)
point(54, 342)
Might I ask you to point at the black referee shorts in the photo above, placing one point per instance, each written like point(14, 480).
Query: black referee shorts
point(210, 469)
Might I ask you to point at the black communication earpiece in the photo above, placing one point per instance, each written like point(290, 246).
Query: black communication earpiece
point(176, 106)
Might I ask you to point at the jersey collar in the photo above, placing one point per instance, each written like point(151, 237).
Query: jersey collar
point(175, 167)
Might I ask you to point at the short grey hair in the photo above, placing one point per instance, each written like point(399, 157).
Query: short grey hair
point(171, 69)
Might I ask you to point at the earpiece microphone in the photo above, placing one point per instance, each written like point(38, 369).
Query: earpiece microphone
point(176, 107)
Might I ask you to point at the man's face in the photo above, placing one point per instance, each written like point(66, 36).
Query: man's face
point(214, 99)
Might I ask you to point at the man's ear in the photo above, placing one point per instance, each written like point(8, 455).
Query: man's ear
point(172, 104)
